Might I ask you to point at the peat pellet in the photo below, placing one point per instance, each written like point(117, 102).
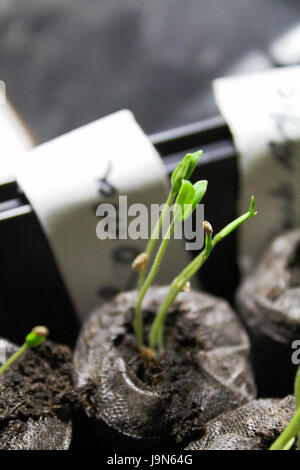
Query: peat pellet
point(35, 393)
point(254, 426)
point(269, 303)
point(203, 372)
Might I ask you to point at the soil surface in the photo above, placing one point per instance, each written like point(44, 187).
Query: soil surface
point(254, 426)
point(35, 397)
point(203, 371)
point(171, 375)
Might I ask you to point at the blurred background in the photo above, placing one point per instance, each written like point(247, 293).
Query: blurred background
point(69, 62)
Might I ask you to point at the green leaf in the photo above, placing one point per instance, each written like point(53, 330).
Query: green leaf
point(200, 189)
point(184, 201)
point(235, 224)
point(33, 340)
point(179, 173)
point(251, 208)
point(184, 170)
point(194, 158)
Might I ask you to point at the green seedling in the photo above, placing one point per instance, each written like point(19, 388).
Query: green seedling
point(183, 171)
point(188, 196)
point(157, 330)
point(36, 337)
point(292, 431)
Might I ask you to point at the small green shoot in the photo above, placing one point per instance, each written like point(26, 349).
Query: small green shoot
point(188, 196)
point(36, 337)
point(187, 199)
point(157, 330)
point(183, 171)
point(292, 431)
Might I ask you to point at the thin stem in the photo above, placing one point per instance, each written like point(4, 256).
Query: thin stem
point(292, 429)
point(156, 333)
point(138, 320)
point(157, 330)
point(297, 388)
point(154, 236)
point(13, 358)
point(297, 399)
point(284, 442)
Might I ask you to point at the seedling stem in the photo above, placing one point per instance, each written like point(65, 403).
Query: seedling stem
point(154, 235)
point(292, 431)
point(36, 337)
point(156, 333)
point(14, 357)
point(188, 195)
point(138, 321)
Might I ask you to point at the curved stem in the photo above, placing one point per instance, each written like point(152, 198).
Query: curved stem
point(292, 429)
point(297, 399)
point(138, 320)
point(154, 236)
point(13, 358)
point(156, 333)
point(157, 330)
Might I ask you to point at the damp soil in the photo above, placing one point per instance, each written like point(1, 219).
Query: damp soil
point(204, 370)
point(38, 385)
point(171, 375)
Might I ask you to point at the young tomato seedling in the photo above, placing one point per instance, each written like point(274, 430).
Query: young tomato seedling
point(36, 337)
point(183, 171)
point(186, 196)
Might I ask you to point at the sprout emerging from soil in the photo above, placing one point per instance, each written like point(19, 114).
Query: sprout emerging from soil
point(292, 431)
point(186, 196)
point(36, 337)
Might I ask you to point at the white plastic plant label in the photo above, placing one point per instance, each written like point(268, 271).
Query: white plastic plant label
point(15, 138)
point(67, 179)
point(263, 112)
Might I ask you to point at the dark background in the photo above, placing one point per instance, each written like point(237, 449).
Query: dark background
point(68, 62)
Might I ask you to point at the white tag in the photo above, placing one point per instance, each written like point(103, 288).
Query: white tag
point(15, 138)
point(263, 112)
point(67, 178)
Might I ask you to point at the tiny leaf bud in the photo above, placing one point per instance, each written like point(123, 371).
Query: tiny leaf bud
point(140, 262)
point(207, 228)
point(37, 336)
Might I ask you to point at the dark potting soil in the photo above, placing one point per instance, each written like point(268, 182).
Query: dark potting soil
point(171, 375)
point(269, 302)
point(254, 426)
point(35, 398)
point(203, 371)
